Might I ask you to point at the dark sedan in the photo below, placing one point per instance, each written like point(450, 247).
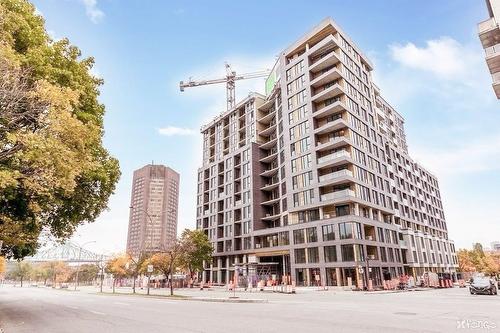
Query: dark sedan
point(483, 286)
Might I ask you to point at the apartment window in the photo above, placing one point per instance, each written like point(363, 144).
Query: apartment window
point(328, 232)
point(298, 236)
point(311, 235)
point(303, 198)
point(295, 70)
point(380, 232)
point(352, 252)
point(350, 230)
point(301, 163)
point(300, 256)
point(312, 255)
point(247, 243)
point(302, 180)
point(330, 253)
point(297, 114)
point(300, 146)
point(342, 210)
point(297, 99)
point(299, 130)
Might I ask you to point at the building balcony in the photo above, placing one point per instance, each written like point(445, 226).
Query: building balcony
point(332, 142)
point(270, 143)
point(330, 92)
point(493, 58)
point(331, 125)
point(270, 186)
point(271, 216)
point(337, 195)
point(271, 201)
point(269, 157)
point(323, 45)
point(324, 61)
point(489, 32)
point(326, 109)
point(335, 175)
point(268, 130)
point(337, 156)
point(267, 117)
point(496, 84)
point(329, 75)
point(272, 170)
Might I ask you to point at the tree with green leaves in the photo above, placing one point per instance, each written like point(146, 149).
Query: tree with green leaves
point(197, 250)
point(55, 173)
point(168, 261)
point(21, 271)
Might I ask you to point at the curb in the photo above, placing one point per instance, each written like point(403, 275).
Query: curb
point(190, 298)
point(228, 300)
point(394, 291)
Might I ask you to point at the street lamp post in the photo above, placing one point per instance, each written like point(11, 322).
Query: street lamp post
point(79, 258)
point(102, 271)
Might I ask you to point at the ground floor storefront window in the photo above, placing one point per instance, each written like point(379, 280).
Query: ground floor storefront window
point(331, 277)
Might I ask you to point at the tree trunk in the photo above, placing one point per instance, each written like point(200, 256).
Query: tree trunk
point(21, 281)
point(114, 280)
point(171, 282)
point(133, 287)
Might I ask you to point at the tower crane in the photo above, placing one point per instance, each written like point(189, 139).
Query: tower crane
point(230, 80)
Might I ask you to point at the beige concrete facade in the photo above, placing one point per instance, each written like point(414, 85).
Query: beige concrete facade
point(489, 34)
point(314, 180)
point(153, 209)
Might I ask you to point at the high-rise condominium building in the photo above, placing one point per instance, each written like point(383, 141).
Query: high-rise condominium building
point(153, 209)
point(489, 33)
point(314, 180)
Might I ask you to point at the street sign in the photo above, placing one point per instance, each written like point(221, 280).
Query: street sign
point(150, 268)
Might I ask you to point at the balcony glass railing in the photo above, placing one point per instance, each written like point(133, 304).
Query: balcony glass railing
point(336, 174)
point(337, 195)
point(492, 50)
point(487, 25)
point(338, 154)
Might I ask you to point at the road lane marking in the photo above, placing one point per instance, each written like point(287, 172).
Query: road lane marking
point(97, 312)
point(121, 303)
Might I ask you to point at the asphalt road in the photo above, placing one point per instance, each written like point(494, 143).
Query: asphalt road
point(451, 310)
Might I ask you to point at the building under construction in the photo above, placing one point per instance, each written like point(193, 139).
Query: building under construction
point(313, 180)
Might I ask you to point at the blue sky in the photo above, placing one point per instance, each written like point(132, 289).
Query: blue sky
point(428, 62)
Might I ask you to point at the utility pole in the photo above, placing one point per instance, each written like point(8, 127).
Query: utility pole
point(102, 271)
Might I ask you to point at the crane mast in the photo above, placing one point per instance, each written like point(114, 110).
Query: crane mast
point(230, 80)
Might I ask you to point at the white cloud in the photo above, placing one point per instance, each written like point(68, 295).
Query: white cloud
point(174, 131)
point(94, 13)
point(444, 57)
point(443, 89)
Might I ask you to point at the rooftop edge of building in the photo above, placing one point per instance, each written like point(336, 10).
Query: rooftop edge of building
point(325, 24)
point(251, 95)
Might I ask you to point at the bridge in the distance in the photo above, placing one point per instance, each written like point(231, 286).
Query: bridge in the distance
point(67, 252)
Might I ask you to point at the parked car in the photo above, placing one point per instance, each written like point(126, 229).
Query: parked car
point(483, 285)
